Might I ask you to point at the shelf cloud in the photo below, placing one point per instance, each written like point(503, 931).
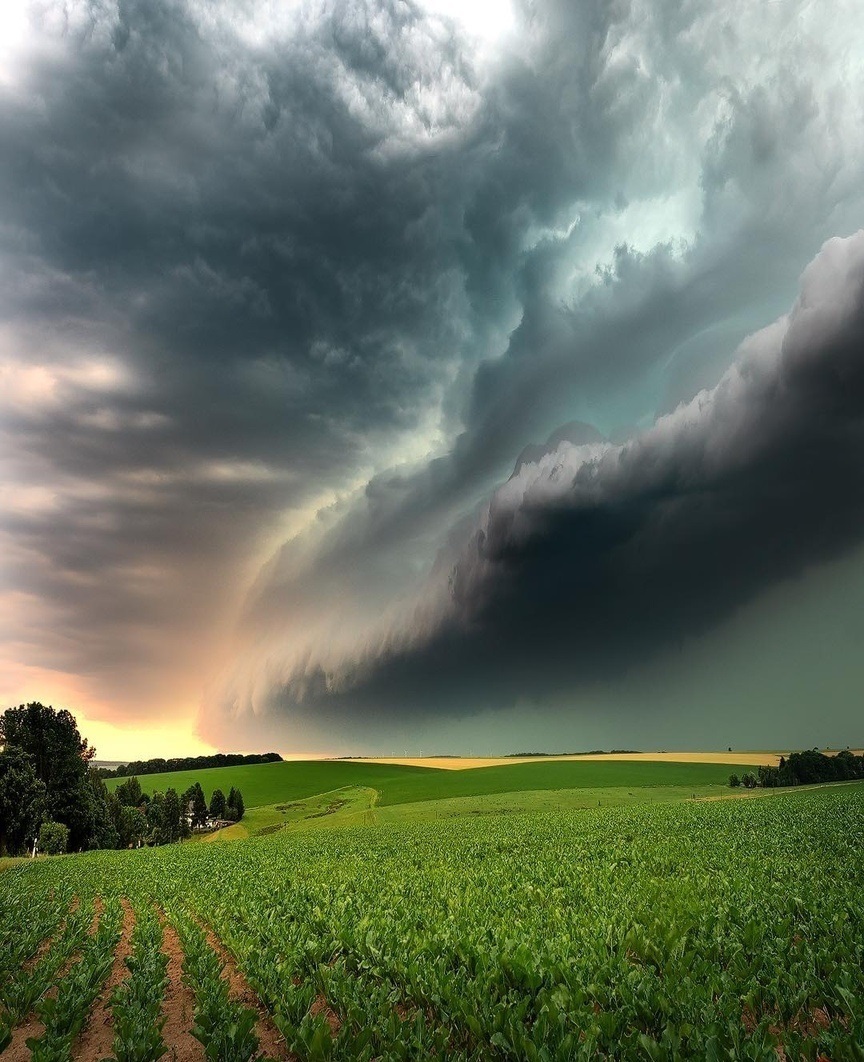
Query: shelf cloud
point(594, 554)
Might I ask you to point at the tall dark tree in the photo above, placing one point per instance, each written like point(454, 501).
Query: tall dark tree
point(155, 815)
point(217, 805)
point(195, 804)
point(103, 829)
point(129, 793)
point(235, 808)
point(60, 759)
point(172, 816)
point(23, 801)
point(131, 827)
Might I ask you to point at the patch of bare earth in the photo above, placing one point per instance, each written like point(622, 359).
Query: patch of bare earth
point(272, 1043)
point(807, 1024)
point(178, 1005)
point(321, 1006)
point(97, 1037)
point(31, 1027)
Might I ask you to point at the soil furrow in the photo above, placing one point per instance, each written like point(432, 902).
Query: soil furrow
point(97, 1036)
point(178, 1005)
point(272, 1043)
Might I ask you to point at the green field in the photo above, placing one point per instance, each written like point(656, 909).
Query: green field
point(706, 929)
point(273, 783)
point(356, 805)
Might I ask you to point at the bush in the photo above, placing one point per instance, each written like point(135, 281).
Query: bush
point(53, 838)
point(749, 781)
point(734, 781)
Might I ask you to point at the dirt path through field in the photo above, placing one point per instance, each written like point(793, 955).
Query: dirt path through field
point(97, 1036)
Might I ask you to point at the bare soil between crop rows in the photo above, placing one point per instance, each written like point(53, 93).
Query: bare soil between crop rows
point(271, 1042)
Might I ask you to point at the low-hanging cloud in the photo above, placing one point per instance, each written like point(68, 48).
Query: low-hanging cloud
point(593, 556)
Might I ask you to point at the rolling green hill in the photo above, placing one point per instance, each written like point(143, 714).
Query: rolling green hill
point(270, 783)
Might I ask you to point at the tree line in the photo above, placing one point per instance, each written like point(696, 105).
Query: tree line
point(52, 798)
point(187, 763)
point(804, 768)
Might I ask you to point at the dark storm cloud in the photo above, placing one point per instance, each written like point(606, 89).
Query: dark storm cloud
point(291, 249)
point(593, 556)
point(262, 262)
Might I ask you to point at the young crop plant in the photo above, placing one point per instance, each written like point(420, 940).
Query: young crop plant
point(22, 990)
point(225, 1028)
point(25, 922)
point(64, 1015)
point(137, 1001)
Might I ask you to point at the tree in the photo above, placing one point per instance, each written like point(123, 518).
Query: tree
point(172, 814)
point(155, 819)
point(217, 805)
point(734, 781)
point(103, 829)
point(129, 792)
point(60, 759)
point(53, 838)
point(196, 805)
point(22, 801)
point(234, 808)
point(749, 780)
point(131, 827)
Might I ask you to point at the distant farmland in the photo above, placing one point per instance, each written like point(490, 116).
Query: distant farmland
point(270, 783)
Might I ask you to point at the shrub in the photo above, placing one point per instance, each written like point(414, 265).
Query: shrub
point(734, 781)
point(53, 838)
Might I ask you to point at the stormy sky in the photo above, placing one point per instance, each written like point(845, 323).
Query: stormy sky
point(388, 376)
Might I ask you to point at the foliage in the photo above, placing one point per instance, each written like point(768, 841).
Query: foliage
point(810, 767)
point(189, 763)
point(53, 838)
point(60, 759)
point(23, 800)
point(131, 827)
point(235, 809)
point(195, 801)
point(25, 923)
point(64, 1015)
point(217, 804)
point(734, 781)
point(129, 793)
point(225, 1028)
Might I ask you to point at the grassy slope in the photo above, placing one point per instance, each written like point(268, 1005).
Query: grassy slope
point(272, 783)
point(555, 774)
point(264, 785)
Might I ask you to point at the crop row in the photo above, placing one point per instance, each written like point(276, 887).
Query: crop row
point(225, 1028)
point(64, 1014)
point(25, 986)
point(137, 1001)
point(705, 930)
